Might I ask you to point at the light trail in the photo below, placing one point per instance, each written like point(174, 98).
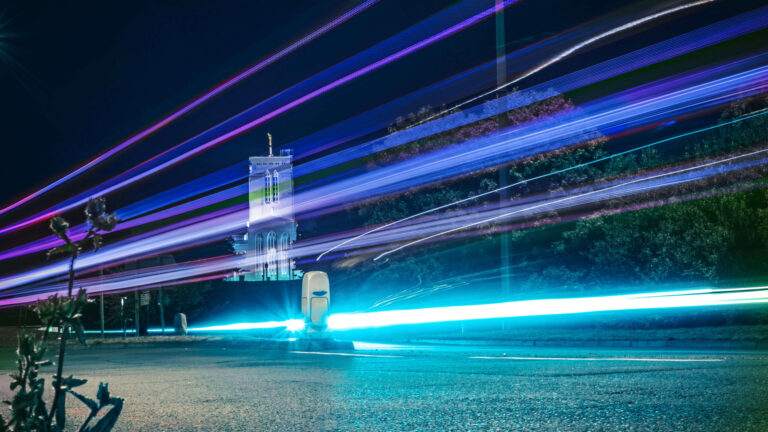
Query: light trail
point(513, 309)
point(78, 232)
point(553, 133)
point(129, 178)
point(575, 48)
point(497, 190)
point(164, 275)
point(589, 359)
point(320, 31)
point(530, 308)
point(326, 353)
point(712, 34)
point(207, 228)
point(216, 180)
point(439, 93)
point(292, 325)
point(569, 198)
point(431, 224)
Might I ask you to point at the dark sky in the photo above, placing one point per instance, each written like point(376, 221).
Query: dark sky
point(86, 74)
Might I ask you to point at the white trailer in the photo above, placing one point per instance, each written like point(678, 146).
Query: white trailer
point(315, 301)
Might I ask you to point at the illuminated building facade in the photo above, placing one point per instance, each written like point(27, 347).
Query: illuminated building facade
point(271, 227)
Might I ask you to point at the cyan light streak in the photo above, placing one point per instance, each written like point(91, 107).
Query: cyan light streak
point(514, 309)
point(530, 308)
point(226, 131)
point(201, 99)
point(291, 325)
point(112, 331)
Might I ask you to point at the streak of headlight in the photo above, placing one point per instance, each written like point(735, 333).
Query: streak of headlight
point(474, 197)
point(528, 308)
point(290, 325)
point(573, 49)
point(346, 321)
point(127, 331)
point(201, 99)
point(102, 190)
point(505, 215)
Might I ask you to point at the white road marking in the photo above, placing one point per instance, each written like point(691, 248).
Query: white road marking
point(675, 360)
point(344, 354)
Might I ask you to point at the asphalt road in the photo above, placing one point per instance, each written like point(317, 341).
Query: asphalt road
point(387, 388)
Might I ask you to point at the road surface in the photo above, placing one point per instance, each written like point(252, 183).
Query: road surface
point(390, 388)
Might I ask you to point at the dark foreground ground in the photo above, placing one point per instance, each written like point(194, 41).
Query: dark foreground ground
point(385, 388)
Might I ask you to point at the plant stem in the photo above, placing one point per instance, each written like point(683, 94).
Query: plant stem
point(90, 417)
point(64, 329)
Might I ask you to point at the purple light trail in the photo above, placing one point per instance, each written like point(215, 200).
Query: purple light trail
point(434, 167)
point(114, 184)
point(200, 100)
point(232, 220)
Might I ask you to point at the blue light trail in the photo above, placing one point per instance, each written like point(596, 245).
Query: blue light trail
point(291, 325)
point(707, 297)
point(529, 308)
point(532, 179)
point(707, 36)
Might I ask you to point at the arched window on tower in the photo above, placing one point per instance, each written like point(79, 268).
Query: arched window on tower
point(275, 187)
point(267, 187)
point(271, 251)
point(259, 264)
point(282, 256)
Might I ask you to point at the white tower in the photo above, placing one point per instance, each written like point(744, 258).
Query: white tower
point(271, 228)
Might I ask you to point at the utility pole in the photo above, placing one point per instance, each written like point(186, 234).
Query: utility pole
point(501, 79)
point(136, 308)
point(122, 314)
point(101, 303)
point(101, 313)
point(160, 302)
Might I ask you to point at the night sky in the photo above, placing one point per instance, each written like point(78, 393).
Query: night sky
point(76, 77)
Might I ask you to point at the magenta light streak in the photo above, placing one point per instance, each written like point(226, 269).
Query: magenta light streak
point(250, 125)
point(78, 232)
point(201, 99)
